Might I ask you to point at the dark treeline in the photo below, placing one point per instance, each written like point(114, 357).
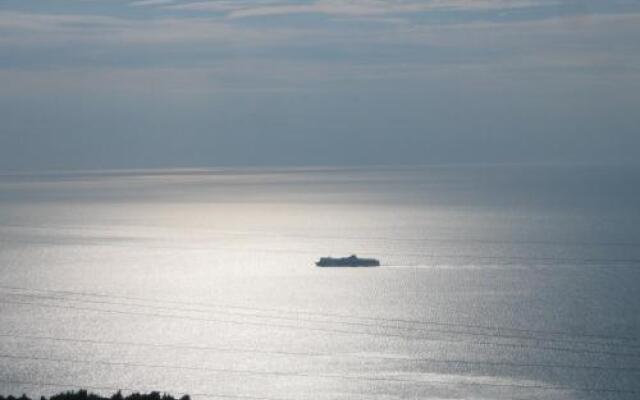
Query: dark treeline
point(84, 395)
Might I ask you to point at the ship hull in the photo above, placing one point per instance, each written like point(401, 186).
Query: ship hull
point(353, 262)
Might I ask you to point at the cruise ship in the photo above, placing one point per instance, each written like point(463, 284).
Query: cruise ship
point(352, 261)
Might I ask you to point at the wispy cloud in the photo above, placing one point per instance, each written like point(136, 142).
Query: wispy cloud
point(142, 3)
point(224, 6)
point(242, 54)
point(256, 8)
point(33, 28)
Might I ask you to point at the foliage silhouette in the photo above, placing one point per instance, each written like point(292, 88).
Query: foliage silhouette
point(84, 395)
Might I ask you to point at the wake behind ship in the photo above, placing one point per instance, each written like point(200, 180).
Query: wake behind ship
point(352, 261)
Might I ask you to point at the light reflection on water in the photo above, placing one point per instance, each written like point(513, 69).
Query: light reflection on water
point(494, 279)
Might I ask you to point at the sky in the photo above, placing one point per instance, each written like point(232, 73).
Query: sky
point(91, 84)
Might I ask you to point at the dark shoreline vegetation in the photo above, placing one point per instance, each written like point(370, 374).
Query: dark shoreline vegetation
point(84, 395)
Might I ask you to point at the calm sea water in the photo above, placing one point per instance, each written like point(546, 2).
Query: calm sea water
point(497, 283)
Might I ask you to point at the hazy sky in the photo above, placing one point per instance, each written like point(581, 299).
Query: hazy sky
point(168, 83)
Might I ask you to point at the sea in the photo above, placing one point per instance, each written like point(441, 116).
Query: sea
point(497, 282)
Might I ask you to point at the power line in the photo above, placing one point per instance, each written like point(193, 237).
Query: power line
point(168, 345)
point(323, 355)
point(331, 331)
point(217, 370)
point(445, 240)
point(340, 376)
point(590, 261)
point(269, 317)
point(328, 314)
point(216, 320)
point(385, 238)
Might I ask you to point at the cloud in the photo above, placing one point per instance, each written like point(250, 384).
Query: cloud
point(142, 3)
point(20, 28)
point(292, 56)
point(225, 6)
point(350, 8)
